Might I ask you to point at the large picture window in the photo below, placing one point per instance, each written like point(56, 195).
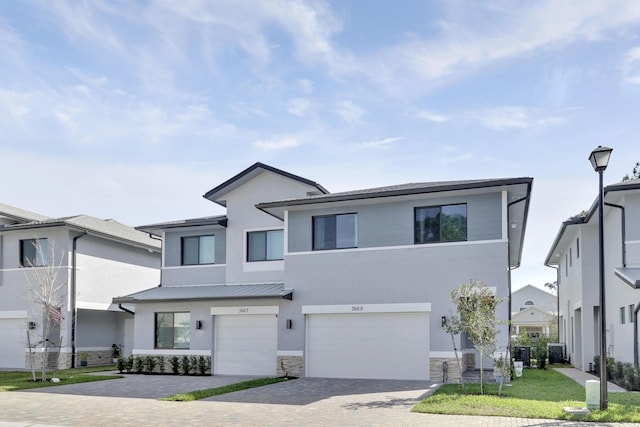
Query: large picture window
point(34, 252)
point(172, 330)
point(265, 245)
point(198, 250)
point(441, 224)
point(334, 231)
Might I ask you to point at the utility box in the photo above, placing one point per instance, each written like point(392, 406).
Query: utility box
point(556, 352)
point(523, 354)
point(592, 388)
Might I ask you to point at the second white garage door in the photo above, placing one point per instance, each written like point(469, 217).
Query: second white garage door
point(245, 344)
point(14, 336)
point(368, 345)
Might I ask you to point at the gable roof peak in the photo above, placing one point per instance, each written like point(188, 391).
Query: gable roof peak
point(216, 194)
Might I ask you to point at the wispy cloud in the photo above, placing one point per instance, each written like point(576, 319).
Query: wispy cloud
point(631, 66)
point(464, 44)
point(432, 117)
point(511, 117)
point(381, 143)
point(299, 106)
point(350, 112)
point(278, 143)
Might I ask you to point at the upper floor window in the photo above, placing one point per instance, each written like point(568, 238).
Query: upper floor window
point(440, 224)
point(172, 330)
point(631, 313)
point(198, 250)
point(577, 248)
point(622, 319)
point(334, 231)
point(265, 245)
point(529, 302)
point(34, 252)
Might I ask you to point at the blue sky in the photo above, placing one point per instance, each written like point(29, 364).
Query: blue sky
point(133, 110)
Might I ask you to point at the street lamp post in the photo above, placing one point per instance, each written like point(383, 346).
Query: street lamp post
point(599, 160)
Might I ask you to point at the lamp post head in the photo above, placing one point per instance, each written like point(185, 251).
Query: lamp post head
point(600, 158)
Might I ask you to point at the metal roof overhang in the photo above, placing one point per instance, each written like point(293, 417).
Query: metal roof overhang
point(206, 292)
point(631, 276)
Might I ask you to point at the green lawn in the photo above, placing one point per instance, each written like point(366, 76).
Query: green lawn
point(201, 394)
point(537, 394)
point(22, 380)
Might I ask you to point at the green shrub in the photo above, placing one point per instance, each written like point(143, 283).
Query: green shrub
point(122, 364)
point(128, 365)
point(138, 364)
point(175, 364)
point(540, 353)
point(204, 364)
point(186, 364)
point(160, 359)
point(150, 363)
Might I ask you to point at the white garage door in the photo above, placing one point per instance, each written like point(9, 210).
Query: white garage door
point(14, 335)
point(245, 344)
point(368, 345)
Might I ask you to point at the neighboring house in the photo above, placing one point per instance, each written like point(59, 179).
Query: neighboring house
point(295, 280)
point(574, 253)
point(97, 258)
point(535, 310)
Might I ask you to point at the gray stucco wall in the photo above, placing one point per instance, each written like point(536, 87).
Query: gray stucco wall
point(200, 310)
point(424, 273)
point(392, 223)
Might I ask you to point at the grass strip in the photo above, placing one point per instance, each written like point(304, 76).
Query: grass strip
point(22, 380)
point(202, 394)
point(537, 394)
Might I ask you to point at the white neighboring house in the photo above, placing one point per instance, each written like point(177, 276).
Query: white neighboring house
point(98, 258)
point(535, 310)
point(294, 279)
point(574, 253)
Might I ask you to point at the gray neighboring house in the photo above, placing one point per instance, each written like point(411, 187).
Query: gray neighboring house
point(98, 259)
point(295, 280)
point(574, 254)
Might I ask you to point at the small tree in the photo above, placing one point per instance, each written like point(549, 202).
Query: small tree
point(45, 292)
point(452, 327)
point(635, 174)
point(476, 306)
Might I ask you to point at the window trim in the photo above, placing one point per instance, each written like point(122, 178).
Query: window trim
point(45, 256)
point(266, 232)
point(182, 240)
point(415, 211)
point(622, 315)
point(155, 330)
point(335, 243)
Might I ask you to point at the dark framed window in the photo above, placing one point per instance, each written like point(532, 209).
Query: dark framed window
point(334, 231)
point(34, 252)
point(198, 250)
point(172, 330)
point(440, 223)
point(265, 245)
point(622, 311)
point(632, 313)
point(577, 248)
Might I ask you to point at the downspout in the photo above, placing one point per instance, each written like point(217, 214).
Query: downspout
point(74, 311)
point(151, 236)
point(126, 310)
point(509, 275)
point(635, 335)
point(623, 227)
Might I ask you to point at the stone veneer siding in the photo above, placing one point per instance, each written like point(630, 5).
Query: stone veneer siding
point(292, 366)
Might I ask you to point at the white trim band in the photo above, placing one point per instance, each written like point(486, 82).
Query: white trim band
point(18, 314)
point(245, 309)
point(172, 352)
point(290, 353)
point(367, 308)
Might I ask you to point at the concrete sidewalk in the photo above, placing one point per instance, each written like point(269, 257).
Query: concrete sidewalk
point(582, 377)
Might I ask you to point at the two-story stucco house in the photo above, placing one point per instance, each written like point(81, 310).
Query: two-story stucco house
point(95, 259)
point(296, 280)
point(574, 253)
point(534, 310)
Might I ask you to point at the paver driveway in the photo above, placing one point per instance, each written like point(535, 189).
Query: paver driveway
point(304, 402)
